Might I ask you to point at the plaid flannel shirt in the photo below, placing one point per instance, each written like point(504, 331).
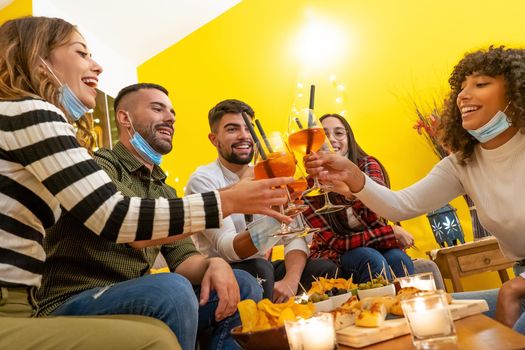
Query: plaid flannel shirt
point(374, 231)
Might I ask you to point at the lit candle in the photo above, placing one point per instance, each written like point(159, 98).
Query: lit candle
point(422, 281)
point(316, 333)
point(426, 323)
point(429, 319)
point(423, 284)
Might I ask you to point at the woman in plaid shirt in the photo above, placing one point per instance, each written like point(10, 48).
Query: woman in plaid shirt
point(356, 237)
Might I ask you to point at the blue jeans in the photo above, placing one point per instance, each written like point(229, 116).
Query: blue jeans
point(355, 263)
point(491, 297)
point(268, 272)
point(170, 298)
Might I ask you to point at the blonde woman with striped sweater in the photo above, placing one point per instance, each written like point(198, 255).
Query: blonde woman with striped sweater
point(47, 83)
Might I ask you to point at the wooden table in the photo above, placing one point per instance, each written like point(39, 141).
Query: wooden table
point(477, 332)
point(471, 258)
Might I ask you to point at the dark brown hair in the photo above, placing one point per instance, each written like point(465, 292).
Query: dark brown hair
point(355, 152)
point(225, 107)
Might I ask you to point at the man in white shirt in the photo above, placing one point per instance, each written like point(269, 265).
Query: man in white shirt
point(233, 242)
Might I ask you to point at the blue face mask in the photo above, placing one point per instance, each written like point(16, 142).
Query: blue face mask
point(73, 106)
point(498, 124)
point(143, 148)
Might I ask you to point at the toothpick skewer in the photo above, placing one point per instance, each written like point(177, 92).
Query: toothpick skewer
point(392, 272)
point(370, 272)
point(291, 290)
point(302, 287)
point(405, 269)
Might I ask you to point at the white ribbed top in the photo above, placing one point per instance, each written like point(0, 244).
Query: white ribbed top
point(494, 179)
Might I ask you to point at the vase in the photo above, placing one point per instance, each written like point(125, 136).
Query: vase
point(477, 230)
point(445, 226)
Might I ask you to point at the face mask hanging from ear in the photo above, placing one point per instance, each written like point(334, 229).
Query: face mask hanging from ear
point(494, 127)
point(142, 146)
point(73, 106)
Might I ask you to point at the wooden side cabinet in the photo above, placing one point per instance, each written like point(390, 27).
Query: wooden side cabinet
point(469, 259)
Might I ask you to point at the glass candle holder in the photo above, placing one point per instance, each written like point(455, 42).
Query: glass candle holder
point(429, 318)
point(315, 333)
point(423, 281)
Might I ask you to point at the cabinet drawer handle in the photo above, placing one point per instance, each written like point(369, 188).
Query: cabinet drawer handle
point(486, 261)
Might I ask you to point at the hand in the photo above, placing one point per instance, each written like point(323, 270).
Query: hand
point(262, 233)
point(256, 197)
point(284, 290)
point(219, 277)
point(247, 173)
point(341, 188)
point(404, 237)
point(334, 167)
point(508, 307)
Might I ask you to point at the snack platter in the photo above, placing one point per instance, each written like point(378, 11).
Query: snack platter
point(358, 337)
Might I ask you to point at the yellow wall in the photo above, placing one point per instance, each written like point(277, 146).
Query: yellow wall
point(393, 52)
point(17, 8)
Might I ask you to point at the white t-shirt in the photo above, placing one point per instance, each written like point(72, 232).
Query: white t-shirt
point(219, 242)
point(494, 179)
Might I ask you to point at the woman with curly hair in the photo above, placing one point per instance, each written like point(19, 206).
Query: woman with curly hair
point(357, 238)
point(483, 127)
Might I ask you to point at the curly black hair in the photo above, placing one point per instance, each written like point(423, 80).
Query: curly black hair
point(493, 62)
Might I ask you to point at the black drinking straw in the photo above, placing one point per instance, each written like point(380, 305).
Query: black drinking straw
point(311, 107)
point(299, 124)
point(310, 138)
point(248, 123)
point(312, 97)
point(263, 134)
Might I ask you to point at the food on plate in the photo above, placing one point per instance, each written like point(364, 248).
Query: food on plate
point(345, 315)
point(317, 297)
point(378, 282)
point(332, 286)
point(366, 303)
point(406, 293)
point(372, 314)
point(266, 315)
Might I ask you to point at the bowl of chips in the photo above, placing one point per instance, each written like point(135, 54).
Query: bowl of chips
point(263, 323)
point(272, 338)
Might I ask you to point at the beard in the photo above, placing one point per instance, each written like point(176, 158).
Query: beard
point(160, 146)
point(233, 158)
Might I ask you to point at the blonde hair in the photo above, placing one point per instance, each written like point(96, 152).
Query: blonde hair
point(23, 42)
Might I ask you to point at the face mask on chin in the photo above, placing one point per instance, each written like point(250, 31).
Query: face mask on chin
point(142, 147)
point(73, 106)
point(494, 127)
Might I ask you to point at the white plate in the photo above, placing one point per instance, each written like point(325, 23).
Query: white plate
point(340, 299)
point(324, 306)
point(385, 291)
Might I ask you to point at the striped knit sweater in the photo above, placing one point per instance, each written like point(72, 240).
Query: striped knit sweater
point(44, 172)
